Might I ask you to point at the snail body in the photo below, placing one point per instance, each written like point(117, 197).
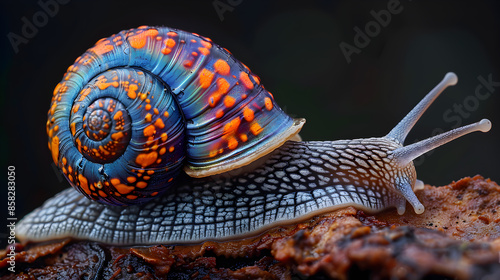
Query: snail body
point(264, 180)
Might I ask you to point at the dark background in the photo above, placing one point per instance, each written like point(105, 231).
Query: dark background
point(294, 48)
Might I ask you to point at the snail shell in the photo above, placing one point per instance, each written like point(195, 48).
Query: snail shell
point(141, 104)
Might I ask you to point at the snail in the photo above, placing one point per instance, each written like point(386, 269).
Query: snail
point(141, 105)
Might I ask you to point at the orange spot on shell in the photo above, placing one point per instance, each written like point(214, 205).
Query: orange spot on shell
point(204, 51)
point(248, 114)
point(138, 41)
point(131, 197)
point(141, 185)
point(268, 103)
point(222, 88)
point(164, 136)
point(159, 123)
point(206, 78)
point(232, 143)
point(243, 137)
point(232, 126)
point(213, 100)
point(246, 80)
point(73, 128)
point(222, 67)
point(54, 149)
point(257, 79)
point(255, 129)
point(118, 115)
point(219, 113)
point(213, 153)
point(102, 47)
point(206, 44)
point(146, 159)
point(84, 93)
point(102, 84)
point(84, 184)
point(166, 51)
point(229, 101)
point(131, 91)
point(56, 89)
point(117, 136)
point(149, 130)
point(131, 179)
point(76, 108)
point(123, 189)
point(171, 149)
point(170, 43)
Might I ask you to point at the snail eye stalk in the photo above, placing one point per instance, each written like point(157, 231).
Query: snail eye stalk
point(401, 130)
point(408, 153)
point(404, 155)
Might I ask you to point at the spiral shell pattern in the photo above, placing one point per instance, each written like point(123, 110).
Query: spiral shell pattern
point(141, 104)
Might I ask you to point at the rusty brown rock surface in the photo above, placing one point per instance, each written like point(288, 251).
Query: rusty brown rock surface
point(457, 237)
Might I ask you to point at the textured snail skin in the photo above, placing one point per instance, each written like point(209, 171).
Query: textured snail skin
point(299, 180)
